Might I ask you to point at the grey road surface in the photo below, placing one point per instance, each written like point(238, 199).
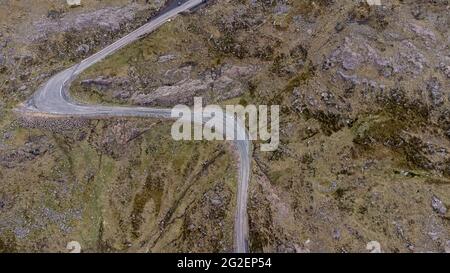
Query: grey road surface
point(53, 98)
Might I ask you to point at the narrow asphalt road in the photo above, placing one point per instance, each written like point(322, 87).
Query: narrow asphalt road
point(53, 98)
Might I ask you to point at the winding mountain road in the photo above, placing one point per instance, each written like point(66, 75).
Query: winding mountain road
point(53, 98)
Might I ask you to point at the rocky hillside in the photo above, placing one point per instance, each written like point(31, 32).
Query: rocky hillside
point(111, 185)
point(365, 95)
point(365, 130)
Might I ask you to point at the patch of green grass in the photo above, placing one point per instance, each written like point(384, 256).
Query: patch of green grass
point(377, 128)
